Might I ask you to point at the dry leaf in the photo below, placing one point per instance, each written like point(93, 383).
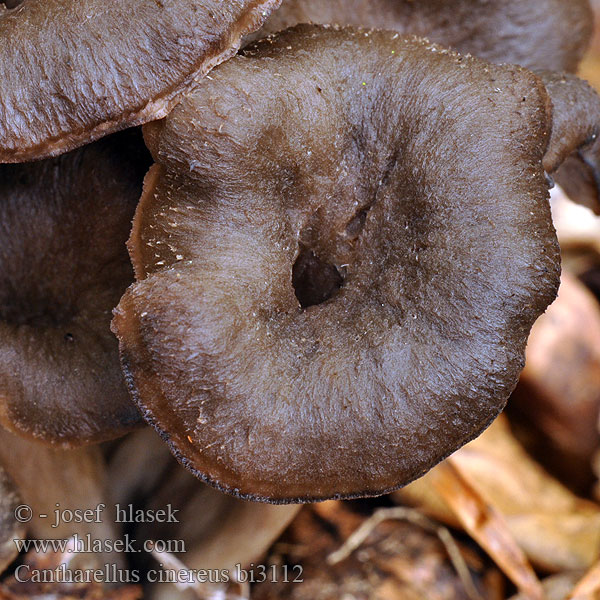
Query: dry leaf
point(556, 587)
point(486, 525)
point(577, 227)
point(559, 391)
point(556, 530)
point(589, 587)
point(93, 593)
point(397, 561)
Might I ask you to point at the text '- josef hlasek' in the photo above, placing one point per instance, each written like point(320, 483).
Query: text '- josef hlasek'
point(118, 514)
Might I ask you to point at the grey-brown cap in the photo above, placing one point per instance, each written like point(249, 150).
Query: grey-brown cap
point(72, 71)
point(539, 34)
point(63, 268)
point(573, 156)
point(340, 253)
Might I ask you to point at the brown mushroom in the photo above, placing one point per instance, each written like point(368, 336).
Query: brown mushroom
point(63, 268)
point(340, 253)
point(541, 34)
point(72, 71)
point(574, 151)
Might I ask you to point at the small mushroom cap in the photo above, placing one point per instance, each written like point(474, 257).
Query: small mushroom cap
point(340, 254)
point(72, 71)
point(540, 34)
point(573, 155)
point(63, 268)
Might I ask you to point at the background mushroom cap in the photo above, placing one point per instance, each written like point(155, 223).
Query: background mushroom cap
point(63, 268)
point(72, 71)
point(573, 156)
point(412, 174)
point(542, 34)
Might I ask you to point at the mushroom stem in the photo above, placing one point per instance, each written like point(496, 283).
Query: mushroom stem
point(50, 479)
point(218, 531)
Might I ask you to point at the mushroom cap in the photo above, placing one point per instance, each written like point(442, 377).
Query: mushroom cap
point(73, 71)
point(573, 155)
point(63, 268)
point(539, 34)
point(340, 253)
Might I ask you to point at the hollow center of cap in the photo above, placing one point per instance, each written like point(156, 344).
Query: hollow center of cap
point(314, 280)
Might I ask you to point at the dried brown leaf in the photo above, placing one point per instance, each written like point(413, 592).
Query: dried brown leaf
point(398, 560)
point(93, 593)
point(485, 525)
point(556, 530)
point(556, 587)
point(589, 587)
point(559, 390)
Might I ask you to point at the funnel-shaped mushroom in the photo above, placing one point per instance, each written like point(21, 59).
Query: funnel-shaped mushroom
point(72, 71)
point(542, 34)
point(340, 254)
point(63, 268)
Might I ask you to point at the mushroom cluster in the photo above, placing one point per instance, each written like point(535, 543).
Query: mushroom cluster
point(337, 256)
